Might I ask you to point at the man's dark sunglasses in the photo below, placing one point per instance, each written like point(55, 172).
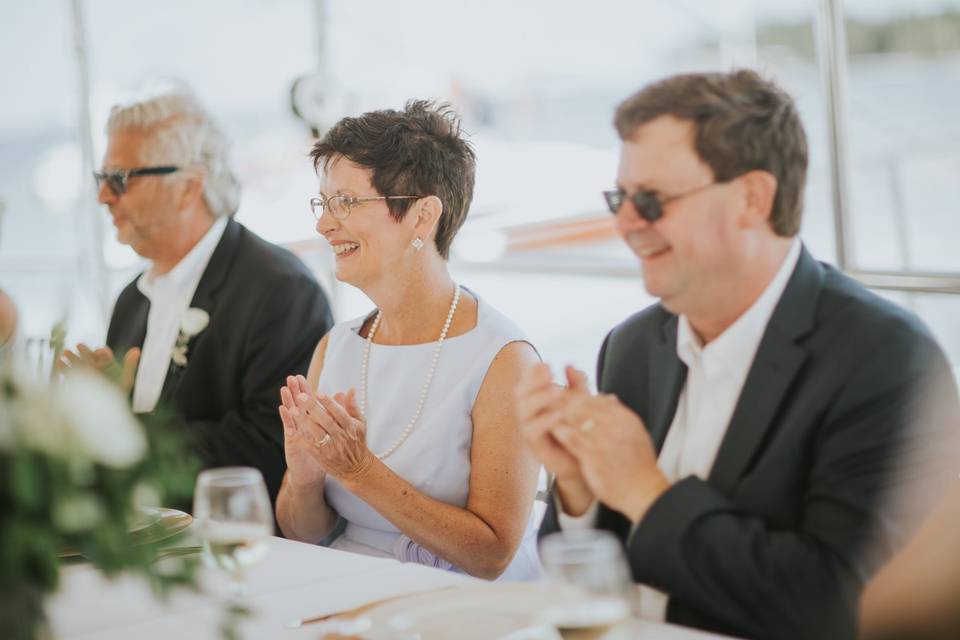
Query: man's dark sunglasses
point(648, 204)
point(118, 178)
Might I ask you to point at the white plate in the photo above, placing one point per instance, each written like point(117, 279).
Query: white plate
point(518, 611)
point(144, 517)
point(150, 526)
point(164, 523)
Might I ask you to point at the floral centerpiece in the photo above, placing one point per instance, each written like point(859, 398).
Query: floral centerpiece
point(76, 466)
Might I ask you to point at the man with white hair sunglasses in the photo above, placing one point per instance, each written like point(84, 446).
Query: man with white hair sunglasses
point(220, 316)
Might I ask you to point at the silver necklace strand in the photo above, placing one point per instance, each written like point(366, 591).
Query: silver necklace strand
point(426, 385)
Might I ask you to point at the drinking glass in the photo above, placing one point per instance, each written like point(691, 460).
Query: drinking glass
point(233, 518)
point(592, 561)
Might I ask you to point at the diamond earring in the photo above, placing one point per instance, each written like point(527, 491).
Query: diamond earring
point(417, 244)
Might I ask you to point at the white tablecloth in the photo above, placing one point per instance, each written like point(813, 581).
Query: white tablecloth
point(293, 581)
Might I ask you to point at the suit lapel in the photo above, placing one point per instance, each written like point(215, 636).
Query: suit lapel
point(773, 370)
point(666, 377)
point(128, 325)
point(205, 297)
point(132, 326)
point(779, 358)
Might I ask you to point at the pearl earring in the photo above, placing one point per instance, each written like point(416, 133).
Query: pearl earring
point(417, 244)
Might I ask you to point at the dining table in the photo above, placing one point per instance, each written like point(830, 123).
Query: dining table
point(292, 583)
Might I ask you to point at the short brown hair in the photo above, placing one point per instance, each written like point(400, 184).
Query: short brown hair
point(418, 151)
point(742, 123)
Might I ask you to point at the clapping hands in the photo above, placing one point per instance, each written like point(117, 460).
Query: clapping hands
point(597, 447)
point(102, 359)
point(322, 434)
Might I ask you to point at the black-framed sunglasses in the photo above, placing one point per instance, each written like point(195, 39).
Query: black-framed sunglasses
point(118, 179)
point(340, 206)
point(648, 204)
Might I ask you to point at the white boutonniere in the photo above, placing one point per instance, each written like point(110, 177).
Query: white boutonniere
point(194, 321)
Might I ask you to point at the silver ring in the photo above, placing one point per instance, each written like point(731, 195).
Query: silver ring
point(587, 425)
point(319, 442)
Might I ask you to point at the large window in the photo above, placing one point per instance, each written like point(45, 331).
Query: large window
point(49, 262)
point(903, 135)
point(241, 59)
point(536, 83)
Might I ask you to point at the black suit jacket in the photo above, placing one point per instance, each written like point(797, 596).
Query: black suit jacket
point(777, 542)
point(267, 314)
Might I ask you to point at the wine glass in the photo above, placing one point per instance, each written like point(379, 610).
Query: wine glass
point(233, 518)
point(592, 561)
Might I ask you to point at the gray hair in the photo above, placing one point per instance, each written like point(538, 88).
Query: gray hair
point(181, 132)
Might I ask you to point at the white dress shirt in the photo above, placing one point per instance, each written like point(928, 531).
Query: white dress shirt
point(169, 295)
point(715, 377)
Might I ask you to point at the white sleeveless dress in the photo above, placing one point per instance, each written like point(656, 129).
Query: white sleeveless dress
point(435, 458)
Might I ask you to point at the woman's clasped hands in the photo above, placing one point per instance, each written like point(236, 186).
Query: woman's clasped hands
point(322, 434)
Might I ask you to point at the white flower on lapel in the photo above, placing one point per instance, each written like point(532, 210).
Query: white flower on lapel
point(194, 321)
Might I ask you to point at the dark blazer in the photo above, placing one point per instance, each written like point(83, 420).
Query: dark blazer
point(777, 542)
point(267, 314)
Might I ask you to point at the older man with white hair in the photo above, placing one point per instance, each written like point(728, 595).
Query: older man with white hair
point(221, 316)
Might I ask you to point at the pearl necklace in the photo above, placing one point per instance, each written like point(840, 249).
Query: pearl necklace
point(426, 384)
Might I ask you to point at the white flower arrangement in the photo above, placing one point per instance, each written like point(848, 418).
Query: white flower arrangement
point(76, 464)
point(194, 321)
point(84, 418)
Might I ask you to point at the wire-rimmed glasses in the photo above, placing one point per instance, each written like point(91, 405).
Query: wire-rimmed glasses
point(340, 206)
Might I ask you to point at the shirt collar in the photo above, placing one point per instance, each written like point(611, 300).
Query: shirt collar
point(734, 349)
point(190, 267)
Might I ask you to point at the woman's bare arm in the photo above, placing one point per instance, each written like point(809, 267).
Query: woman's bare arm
point(302, 512)
point(483, 537)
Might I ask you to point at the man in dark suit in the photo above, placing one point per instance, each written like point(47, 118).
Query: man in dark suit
point(751, 424)
point(221, 317)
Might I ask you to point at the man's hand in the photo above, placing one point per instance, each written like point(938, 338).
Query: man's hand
point(539, 412)
point(614, 453)
point(124, 374)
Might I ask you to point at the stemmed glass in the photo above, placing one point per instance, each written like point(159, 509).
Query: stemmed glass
point(233, 517)
point(592, 561)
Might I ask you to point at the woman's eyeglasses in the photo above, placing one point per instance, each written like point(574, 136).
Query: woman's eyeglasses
point(117, 179)
point(341, 206)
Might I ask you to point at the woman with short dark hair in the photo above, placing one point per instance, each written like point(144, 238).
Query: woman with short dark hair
point(403, 431)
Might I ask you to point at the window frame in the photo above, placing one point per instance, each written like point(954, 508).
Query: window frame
point(832, 55)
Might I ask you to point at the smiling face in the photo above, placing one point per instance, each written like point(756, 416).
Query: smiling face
point(369, 244)
point(689, 256)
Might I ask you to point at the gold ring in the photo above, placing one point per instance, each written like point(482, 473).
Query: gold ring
point(319, 442)
point(587, 425)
